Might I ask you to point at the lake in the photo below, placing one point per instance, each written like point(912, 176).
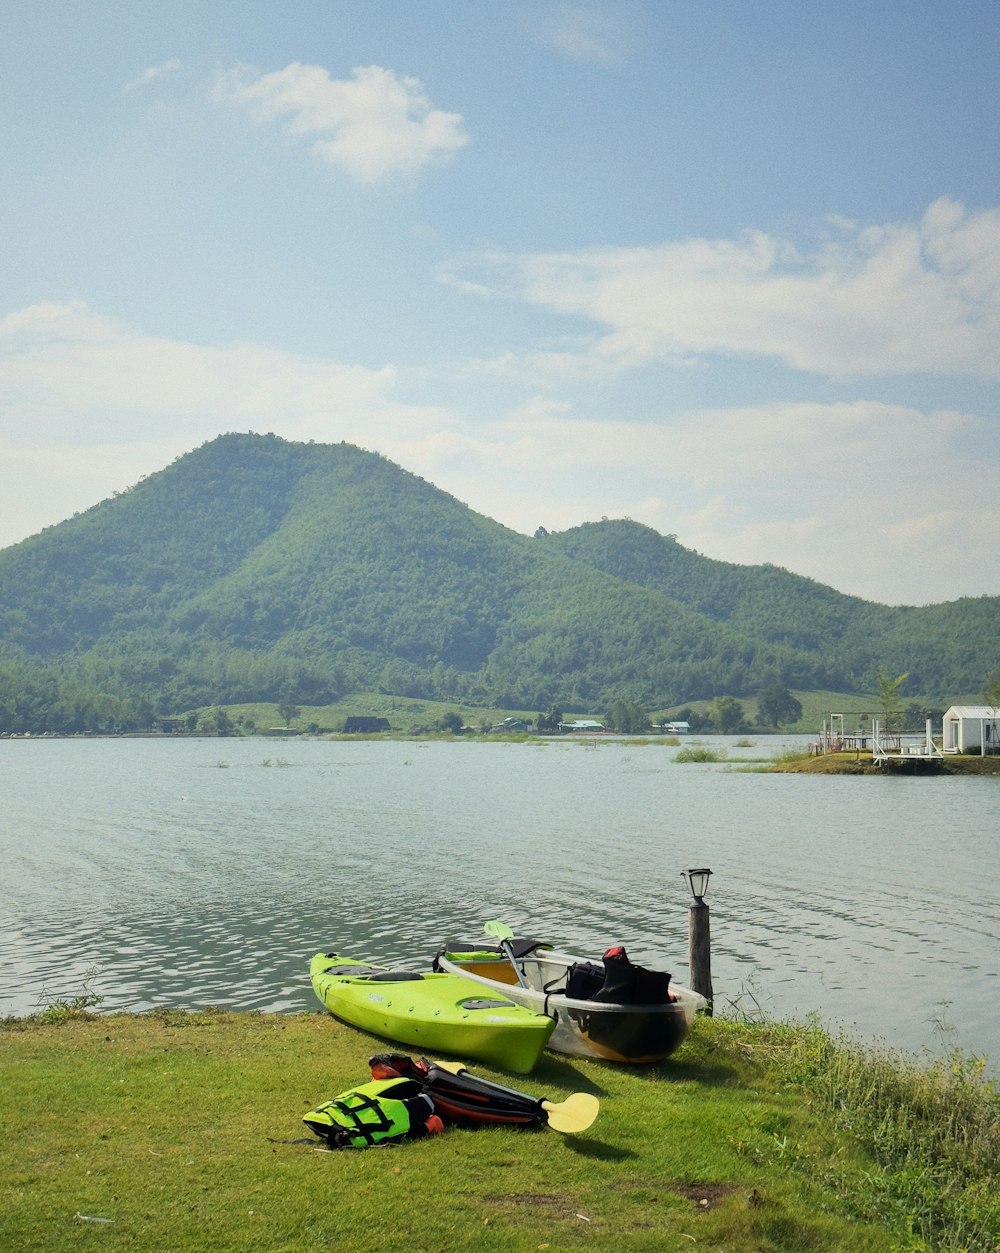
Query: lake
point(193, 872)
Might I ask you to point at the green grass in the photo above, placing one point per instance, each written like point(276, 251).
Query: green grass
point(405, 713)
point(182, 1132)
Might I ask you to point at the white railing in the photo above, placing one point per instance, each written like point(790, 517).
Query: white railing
point(894, 745)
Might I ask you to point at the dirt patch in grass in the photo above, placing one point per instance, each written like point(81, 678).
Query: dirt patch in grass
point(705, 1196)
point(520, 1208)
point(534, 1200)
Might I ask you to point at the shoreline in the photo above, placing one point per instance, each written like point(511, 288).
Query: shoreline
point(862, 763)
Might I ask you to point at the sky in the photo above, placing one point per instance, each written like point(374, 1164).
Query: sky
point(731, 270)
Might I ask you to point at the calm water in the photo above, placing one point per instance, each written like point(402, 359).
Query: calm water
point(196, 872)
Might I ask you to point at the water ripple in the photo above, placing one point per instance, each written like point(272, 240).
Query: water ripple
point(207, 872)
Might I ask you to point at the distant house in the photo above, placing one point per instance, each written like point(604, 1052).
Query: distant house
point(512, 724)
point(582, 726)
point(971, 729)
point(361, 724)
point(677, 728)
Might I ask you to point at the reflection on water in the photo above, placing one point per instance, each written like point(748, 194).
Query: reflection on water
point(196, 872)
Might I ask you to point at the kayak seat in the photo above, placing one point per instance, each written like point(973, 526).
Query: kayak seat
point(349, 968)
point(394, 976)
point(487, 1004)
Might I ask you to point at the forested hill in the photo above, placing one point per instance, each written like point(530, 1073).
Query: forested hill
point(258, 569)
point(945, 650)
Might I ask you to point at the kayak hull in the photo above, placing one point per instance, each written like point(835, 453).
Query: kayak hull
point(434, 1012)
point(631, 1034)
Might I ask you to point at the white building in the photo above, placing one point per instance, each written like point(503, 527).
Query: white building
point(971, 729)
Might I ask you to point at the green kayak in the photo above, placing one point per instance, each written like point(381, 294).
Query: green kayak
point(437, 1013)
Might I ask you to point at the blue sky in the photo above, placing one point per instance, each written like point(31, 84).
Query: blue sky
point(729, 269)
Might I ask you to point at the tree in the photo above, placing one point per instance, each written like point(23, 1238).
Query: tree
point(695, 720)
point(549, 721)
point(991, 691)
point(217, 722)
point(776, 706)
point(890, 699)
point(288, 711)
point(627, 717)
point(451, 721)
point(914, 717)
point(727, 714)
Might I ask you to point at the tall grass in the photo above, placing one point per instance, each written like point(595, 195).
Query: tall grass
point(932, 1130)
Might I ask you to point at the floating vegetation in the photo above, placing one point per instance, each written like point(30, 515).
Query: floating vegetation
point(701, 754)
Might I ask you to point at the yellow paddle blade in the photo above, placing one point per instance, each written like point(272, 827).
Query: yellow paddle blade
point(575, 1114)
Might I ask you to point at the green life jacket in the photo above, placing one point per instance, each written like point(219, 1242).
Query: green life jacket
point(373, 1113)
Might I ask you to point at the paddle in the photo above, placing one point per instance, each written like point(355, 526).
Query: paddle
point(500, 931)
point(575, 1114)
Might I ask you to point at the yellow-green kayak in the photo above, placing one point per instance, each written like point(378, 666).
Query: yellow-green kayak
point(436, 1013)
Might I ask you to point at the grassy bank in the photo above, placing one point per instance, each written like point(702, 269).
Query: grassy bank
point(174, 1131)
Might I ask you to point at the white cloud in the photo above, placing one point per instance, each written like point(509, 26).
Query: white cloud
point(885, 501)
point(589, 33)
point(872, 499)
point(152, 73)
point(895, 299)
point(66, 370)
point(89, 404)
point(374, 125)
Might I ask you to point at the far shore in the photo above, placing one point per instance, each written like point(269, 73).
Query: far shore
point(843, 763)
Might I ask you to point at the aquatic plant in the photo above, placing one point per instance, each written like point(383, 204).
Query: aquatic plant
point(63, 1008)
point(699, 754)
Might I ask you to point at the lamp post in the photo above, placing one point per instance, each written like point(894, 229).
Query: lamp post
point(699, 936)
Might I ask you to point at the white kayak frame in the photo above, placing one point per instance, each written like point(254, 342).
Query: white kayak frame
point(547, 968)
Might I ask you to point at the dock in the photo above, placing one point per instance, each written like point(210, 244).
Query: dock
point(918, 750)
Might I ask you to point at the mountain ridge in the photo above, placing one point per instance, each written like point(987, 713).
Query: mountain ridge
point(254, 566)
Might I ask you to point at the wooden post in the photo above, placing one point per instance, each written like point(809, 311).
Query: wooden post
point(700, 951)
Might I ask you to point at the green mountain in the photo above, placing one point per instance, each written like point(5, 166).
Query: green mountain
point(946, 650)
point(256, 569)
